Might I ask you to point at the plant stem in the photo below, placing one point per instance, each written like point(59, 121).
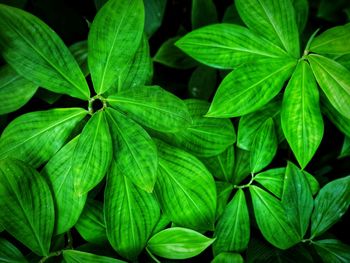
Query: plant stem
point(52, 254)
point(246, 185)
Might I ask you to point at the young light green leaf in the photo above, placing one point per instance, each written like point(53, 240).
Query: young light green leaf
point(183, 177)
point(91, 224)
point(37, 53)
point(250, 87)
point(272, 180)
point(202, 82)
point(273, 19)
point(332, 251)
point(301, 116)
point(331, 204)
point(297, 199)
point(130, 214)
point(154, 12)
point(9, 253)
point(136, 156)
point(301, 8)
point(75, 256)
point(226, 257)
point(26, 205)
point(68, 204)
point(203, 12)
point(232, 231)
point(15, 91)
point(242, 166)
point(178, 243)
point(264, 146)
point(227, 46)
point(332, 41)
point(114, 37)
point(334, 80)
point(153, 107)
point(92, 155)
point(36, 136)
point(79, 51)
point(223, 191)
point(272, 220)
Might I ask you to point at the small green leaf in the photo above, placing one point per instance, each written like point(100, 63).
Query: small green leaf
point(114, 37)
point(154, 10)
point(334, 80)
point(178, 243)
point(345, 150)
point(26, 205)
point(242, 166)
point(130, 214)
point(183, 177)
point(331, 204)
point(332, 251)
point(332, 41)
point(223, 191)
point(272, 220)
point(226, 257)
point(79, 51)
point(202, 82)
point(255, 84)
point(264, 146)
point(233, 228)
point(153, 107)
point(75, 256)
point(301, 117)
point(136, 155)
point(227, 46)
point(36, 136)
point(344, 60)
point(37, 53)
point(203, 12)
point(9, 253)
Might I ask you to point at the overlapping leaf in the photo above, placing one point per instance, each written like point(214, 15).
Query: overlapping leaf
point(332, 251)
point(75, 256)
point(10, 253)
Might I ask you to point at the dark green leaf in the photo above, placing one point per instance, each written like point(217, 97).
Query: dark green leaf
point(75, 256)
point(226, 257)
point(344, 60)
point(203, 13)
point(332, 251)
point(79, 51)
point(301, 8)
point(202, 83)
point(242, 166)
point(154, 10)
point(223, 191)
point(345, 150)
point(9, 253)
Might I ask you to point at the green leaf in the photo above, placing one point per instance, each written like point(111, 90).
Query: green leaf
point(272, 220)
point(170, 55)
point(68, 204)
point(91, 224)
point(242, 166)
point(301, 116)
point(232, 231)
point(231, 16)
point(79, 51)
point(36, 136)
point(264, 146)
point(183, 177)
point(75, 256)
point(255, 84)
point(162, 223)
point(226, 257)
point(136, 157)
point(26, 205)
point(331, 204)
point(227, 46)
point(332, 251)
point(223, 191)
point(130, 214)
point(345, 150)
point(9, 253)
point(334, 80)
point(275, 20)
point(297, 199)
point(37, 53)
point(202, 82)
point(114, 37)
point(332, 41)
point(178, 243)
point(92, 155)
point(153, 107)
point(154, 10)
point(344, 60)
point(301, 8)
point(15, 91)
point(203, 12)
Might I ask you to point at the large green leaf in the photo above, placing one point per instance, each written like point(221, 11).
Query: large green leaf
point(91, 224)
point(301, 8)
point(227, 46)
point(332, 41)
point(203, 12)
point(226, 257)
point(113, 39)
point(274, 19)
point(178, 243)
point(35, 137)
point(334, 80)
point(250, 87)
point(301, 116)
point(92, 155)
point(332, 251)
point(232, 231)
point(272, 220)
point(136, 153)
point(9, 253)
point(297, 199)
point(68, 204)
point(153, 107)
point(331, 203)
point(183, 177)
point(37, 53)
point(15, 91)
point(130, 214)
point(75, 256)
point(26, 205)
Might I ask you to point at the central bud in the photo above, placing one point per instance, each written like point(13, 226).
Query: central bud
point(96, 103)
